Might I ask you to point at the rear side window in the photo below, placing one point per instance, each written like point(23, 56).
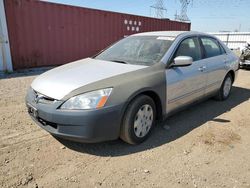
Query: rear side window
point(211, 47)
point(189, 47)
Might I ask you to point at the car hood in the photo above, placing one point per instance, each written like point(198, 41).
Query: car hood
point(62, 80)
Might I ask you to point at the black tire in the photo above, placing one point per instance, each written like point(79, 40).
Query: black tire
point(220, 95)
point(127, 129)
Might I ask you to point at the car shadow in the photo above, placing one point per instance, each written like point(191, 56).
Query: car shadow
point(178, 125)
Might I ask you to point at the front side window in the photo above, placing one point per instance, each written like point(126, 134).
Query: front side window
point(211, 47)
point(138, 50)
point(189, 47)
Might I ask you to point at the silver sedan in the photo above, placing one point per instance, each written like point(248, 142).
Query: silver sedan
point(122, 91)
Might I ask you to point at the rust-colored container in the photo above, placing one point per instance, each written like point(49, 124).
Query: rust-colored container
point(45, 34)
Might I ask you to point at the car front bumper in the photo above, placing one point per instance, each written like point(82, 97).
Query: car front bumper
point(244, 64)
point(88, 126)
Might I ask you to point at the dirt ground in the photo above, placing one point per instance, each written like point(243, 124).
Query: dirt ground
point(207, 145)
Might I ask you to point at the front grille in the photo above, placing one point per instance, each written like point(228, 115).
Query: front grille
point(47, 123)
point(43, 98)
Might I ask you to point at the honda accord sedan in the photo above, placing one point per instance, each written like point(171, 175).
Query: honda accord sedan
point(125, 89)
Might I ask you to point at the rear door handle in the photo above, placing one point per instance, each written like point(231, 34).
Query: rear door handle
point(202, 68)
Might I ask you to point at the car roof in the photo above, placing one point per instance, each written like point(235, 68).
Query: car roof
point(170, 33)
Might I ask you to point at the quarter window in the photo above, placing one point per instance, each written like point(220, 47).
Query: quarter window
point(189, 47)
point(211, 47)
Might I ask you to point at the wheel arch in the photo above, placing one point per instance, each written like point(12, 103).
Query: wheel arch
point(232, 73)
point(152, 94)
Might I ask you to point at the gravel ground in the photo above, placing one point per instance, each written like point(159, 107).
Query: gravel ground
point(207, 145)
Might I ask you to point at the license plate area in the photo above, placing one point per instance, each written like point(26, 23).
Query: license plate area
point(32, 111)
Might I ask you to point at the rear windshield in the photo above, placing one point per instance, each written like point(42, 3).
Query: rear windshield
point(138, 50)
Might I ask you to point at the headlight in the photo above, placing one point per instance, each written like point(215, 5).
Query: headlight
point(91, 100)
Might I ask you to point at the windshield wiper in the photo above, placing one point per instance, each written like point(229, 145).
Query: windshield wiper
point(119, 61)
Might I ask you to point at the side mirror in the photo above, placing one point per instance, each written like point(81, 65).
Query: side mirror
point(182, 61)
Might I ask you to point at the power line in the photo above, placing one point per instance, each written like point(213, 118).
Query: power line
point(159, 9)
point(183, 15)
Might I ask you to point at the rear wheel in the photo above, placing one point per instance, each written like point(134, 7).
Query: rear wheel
point(225, 89)
point(138, 120)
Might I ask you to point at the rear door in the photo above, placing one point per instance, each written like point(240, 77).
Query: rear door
point(186, 84)
point(215, 59)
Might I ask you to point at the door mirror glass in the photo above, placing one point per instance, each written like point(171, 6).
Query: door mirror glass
point(182, 61)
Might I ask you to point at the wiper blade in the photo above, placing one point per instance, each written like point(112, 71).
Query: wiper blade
point(119, 61)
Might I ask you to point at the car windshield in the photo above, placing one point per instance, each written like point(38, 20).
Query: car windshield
point(138, 50)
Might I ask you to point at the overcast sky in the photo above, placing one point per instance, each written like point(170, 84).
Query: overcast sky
point(205, 15)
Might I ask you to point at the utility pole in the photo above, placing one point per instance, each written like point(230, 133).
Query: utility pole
point(183, 15)
point(5, 54)
point(159, 9)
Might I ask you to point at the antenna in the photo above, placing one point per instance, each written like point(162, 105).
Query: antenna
point(183, 15)
point(159, 9)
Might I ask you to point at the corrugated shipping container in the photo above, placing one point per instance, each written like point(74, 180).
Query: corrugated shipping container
point(44, 34)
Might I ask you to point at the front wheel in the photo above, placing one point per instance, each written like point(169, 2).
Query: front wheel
point(225, 89)
point(138, 120)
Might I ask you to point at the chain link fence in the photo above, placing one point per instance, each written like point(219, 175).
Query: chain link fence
point(234, 40)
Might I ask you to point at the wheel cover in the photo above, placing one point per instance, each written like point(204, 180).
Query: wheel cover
point(143, 120)
point(227, 87)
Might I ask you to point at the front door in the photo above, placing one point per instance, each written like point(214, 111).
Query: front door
point(186, 84)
